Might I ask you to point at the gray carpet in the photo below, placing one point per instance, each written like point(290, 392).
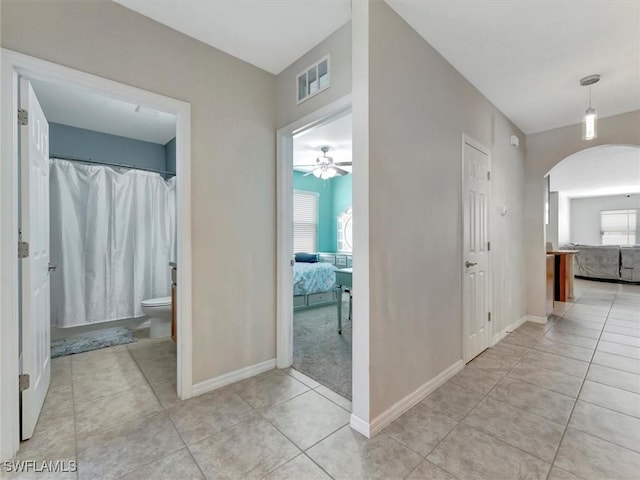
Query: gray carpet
point(85, 342)
point(319, 351)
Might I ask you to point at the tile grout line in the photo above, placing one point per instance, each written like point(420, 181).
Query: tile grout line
point(555, 457)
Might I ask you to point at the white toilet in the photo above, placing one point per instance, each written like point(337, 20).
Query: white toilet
point(159, 312)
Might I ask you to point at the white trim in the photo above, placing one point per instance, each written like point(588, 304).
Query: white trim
point(396, 410)
point(506, 331)
point(14, 64)
point(232, 377)
point(536, 319)
point(468, 140)
point(284, 215)
point(359, 425)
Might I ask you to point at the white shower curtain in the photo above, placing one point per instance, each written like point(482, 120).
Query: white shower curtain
point(113, 234)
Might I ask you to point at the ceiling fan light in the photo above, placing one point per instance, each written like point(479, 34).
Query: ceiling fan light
point(317, 172)
point(331, 172)
point(590, 124)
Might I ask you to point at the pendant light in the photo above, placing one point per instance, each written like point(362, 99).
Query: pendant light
point(590, 121)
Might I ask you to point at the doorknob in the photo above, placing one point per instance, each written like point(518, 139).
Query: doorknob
point(469, 264)
point(52, 267)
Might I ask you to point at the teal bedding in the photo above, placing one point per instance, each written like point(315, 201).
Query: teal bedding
point(311, 278)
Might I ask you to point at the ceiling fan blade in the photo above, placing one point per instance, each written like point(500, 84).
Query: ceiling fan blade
point(308, 173)
point(343, 164)
point(306, 166)
point(340, 171)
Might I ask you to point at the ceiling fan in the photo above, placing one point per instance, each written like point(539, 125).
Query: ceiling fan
point(325, 167)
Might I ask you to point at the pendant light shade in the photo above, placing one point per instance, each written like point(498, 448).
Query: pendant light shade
point(590, 120)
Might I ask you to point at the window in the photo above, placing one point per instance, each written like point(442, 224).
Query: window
point(618, 227)
point(305, 221)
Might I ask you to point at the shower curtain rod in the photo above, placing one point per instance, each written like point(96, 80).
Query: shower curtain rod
point(111, 164)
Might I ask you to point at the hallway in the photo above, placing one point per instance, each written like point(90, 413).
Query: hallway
point(556, 401)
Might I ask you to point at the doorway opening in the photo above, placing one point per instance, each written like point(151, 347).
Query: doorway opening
point(322, 249)
point(76, 182)
point(592, 225)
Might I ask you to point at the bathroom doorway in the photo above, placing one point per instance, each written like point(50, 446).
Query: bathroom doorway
point(87, 161)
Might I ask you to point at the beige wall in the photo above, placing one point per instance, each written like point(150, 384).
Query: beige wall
point(544, 151)
point(233, 158)
point(419, 107)
point(338, 45)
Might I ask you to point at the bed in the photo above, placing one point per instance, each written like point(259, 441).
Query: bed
point(314, 284)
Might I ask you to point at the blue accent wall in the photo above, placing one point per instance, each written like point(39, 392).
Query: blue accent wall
point(334, 197)
point(76, 142)
point(170, 154)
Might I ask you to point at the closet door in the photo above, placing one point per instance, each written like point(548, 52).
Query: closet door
point(35, 267)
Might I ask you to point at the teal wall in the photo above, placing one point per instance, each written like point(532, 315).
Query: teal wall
point(76, 142)
point(334, 197)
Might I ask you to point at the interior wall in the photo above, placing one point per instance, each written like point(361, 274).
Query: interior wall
point(585, 216)
point(233, 180)
point(544, 150)
point(338, 45)
point(324, 188)
point(76, 142)
point(419, 107)
point(564, 219)
point(551, 229)
point(170, 154)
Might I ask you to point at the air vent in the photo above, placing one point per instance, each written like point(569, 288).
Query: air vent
point(313, 80)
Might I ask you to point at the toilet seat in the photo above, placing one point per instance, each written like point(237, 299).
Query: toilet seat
point(157, 302)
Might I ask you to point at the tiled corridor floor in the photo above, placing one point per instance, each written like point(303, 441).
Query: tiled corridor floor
point(556, 401)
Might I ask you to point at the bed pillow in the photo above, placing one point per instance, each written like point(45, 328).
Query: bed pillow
point(306, 257)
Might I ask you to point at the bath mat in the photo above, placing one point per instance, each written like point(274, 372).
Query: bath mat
point(85, 342)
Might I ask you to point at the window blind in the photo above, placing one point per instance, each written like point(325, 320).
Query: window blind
point(305, 221)
point(618, 227)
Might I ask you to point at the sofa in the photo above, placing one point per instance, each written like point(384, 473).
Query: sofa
point(607, 262)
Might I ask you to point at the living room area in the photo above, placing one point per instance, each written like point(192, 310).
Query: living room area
point(593, 205)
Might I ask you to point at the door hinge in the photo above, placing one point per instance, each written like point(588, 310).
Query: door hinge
point(489, 316)
point(488, 246)
point(23, 117)
point(23, 249)
point(23, 382)
point(488, 175)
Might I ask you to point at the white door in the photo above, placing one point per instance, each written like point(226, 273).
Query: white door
point(36, 308)
point(476, 194)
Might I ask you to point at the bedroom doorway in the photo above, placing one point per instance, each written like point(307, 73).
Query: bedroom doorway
point(315, 251)
point(322, 254)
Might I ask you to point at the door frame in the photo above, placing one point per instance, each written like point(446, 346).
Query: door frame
point(469, 140)
point(14, 65)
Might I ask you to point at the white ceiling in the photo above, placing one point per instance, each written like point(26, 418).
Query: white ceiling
point(78, 108)
point(336, 134)
point(527, 57)
point(606, 170)
point(270, 34)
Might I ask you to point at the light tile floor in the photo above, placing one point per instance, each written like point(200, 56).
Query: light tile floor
point(554, 401)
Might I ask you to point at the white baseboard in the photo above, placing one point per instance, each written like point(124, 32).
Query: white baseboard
point(535, 319)
point(359, 425)
point(232, 377)
point(503, 333)
point(370, 430)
